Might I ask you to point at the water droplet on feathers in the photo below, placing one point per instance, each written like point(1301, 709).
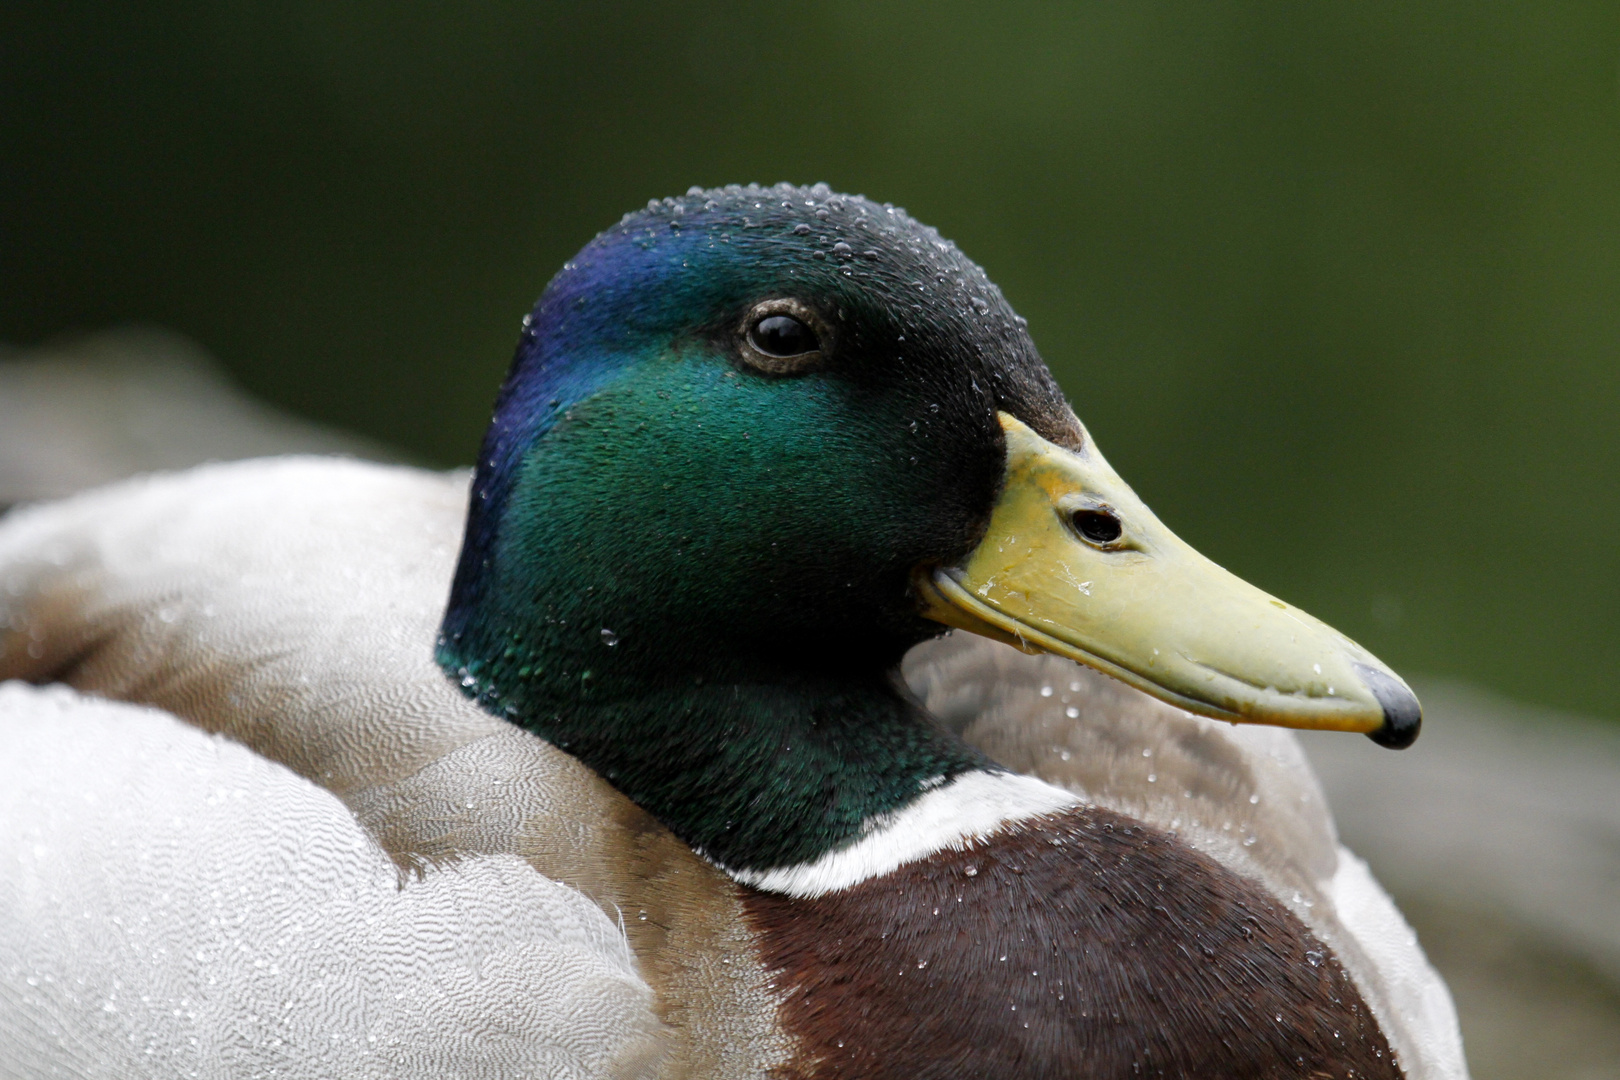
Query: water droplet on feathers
point(609, 637)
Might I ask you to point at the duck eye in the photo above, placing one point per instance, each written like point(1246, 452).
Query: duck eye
point(1098, 526)
point(783, 336)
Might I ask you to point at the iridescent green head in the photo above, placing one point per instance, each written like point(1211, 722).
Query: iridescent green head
point(736, 423)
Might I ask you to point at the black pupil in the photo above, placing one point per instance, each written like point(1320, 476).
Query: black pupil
point(783, 335)
point(1098, 526)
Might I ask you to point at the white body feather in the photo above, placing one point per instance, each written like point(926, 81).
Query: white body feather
point(175, 905)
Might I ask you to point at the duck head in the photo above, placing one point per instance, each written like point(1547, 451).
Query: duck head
point(758, 442)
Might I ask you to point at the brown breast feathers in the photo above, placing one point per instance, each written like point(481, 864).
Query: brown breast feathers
point(1075, 945)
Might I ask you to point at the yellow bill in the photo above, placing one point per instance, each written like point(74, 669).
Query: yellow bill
point(1075, 564)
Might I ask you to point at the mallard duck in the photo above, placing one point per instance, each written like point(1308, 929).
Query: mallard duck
point(705, 792)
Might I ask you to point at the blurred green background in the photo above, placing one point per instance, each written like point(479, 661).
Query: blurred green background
point(1336, 286)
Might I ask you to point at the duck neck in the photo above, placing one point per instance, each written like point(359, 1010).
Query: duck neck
point(754, 765)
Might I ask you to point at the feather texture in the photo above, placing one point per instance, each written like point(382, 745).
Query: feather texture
point(177, 905)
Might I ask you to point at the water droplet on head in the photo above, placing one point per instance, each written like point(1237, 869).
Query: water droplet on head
point(609, 637)
point(1046, 691)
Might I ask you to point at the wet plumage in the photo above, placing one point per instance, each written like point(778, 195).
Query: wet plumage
point(687, 580)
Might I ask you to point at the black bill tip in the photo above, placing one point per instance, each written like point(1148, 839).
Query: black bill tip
point(1403, 716)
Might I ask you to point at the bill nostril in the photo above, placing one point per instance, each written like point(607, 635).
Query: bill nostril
point(1097, 526)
